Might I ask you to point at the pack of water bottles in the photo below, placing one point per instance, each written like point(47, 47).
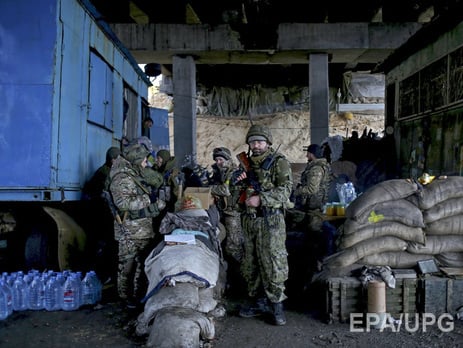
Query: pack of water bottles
point(346, 192)
point(48, 290)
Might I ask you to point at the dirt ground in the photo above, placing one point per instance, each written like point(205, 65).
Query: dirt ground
point(110, 325)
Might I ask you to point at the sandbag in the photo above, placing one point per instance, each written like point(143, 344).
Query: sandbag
point(394, 259)
point(449, 207)
point(384, 191)
point(180, 327)
point(380, 229)
point(437, 245)
point(399, 210)
point(195, 263)
point(326, 273)
point(450, 259)
point(185, 295)
point(364, 248)
point(446, 226)
point(440, 190)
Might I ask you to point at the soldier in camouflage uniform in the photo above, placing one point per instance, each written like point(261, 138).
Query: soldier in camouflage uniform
point(312, 192)
point(136, 206)
point(226, 200)
point(268, 184)
point(310, 196)
point(166, 166)
point(96, 192)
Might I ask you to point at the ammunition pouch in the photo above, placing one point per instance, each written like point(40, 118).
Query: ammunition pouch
point(148, 212)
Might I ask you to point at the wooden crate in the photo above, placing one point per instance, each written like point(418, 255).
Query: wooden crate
point(346, 295)
point(440, 295)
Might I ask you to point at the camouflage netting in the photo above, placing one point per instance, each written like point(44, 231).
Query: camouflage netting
point(398, 223)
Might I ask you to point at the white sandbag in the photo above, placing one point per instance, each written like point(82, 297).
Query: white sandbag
point(180, 327)
point(440, 190)
point(449, 207)
point(380, 229)
point(394, 259)
point(437, 245)
point(384, 191)
point(185, 295)
point(399, 210)
point(198, 263)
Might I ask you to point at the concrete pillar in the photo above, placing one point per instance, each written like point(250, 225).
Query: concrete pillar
point(184, 96)
point(319, 97)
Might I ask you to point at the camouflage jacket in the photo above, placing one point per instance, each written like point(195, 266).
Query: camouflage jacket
point(226, 194)
point(312, 192)
point(170, 182)
point(274, 184)
point(130, 192)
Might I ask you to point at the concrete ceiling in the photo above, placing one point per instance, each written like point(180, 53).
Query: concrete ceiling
point(272, 37)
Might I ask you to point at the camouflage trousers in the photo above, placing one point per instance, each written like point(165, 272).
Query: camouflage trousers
point(234, 238)
point(265, 261)
point(131, 279)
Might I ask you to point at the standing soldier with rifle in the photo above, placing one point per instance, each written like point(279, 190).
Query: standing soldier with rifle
point(136, 205)
point(268, 182)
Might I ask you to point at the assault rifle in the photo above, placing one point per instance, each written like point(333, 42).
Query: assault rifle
point(109, 201)
point(245, 166)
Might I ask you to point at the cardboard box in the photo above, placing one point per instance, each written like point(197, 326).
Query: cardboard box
point(345, 295)
point(203, 193)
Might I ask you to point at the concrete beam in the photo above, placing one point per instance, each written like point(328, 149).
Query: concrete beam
point(344, 42)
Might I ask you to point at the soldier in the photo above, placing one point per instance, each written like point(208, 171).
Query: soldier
point(310, 196)
point(226, 199)
point(95, 192)
point(136, 207)
point(166, 166)
point(311, 193)
point(268, 181)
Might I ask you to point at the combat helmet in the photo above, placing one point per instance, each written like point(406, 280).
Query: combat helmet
point(136, 153)
point(221, 152)
point(259, 132)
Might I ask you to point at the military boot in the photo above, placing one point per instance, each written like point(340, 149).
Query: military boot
point(260, 307)
point(278, 313)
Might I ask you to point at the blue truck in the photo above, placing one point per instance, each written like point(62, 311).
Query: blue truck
point(68, 91)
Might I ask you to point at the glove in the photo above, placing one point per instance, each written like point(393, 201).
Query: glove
point(161, 204)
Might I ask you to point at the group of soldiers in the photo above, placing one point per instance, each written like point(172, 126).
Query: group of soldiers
point(252, 197)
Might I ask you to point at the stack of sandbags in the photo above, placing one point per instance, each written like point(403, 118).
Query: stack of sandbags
point(180, 300)
point(441, 203)
point(398, 223)
point(379, 226)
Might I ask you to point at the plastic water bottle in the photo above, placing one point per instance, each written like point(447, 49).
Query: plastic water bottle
point(8, 298)
point(20, 297)
point(350, 193)
point(36, 293)
point(78, 280)
point(3, 305)
point(98, 287)
point(70, 294)
point(88, 290)
point(53, 291)
point(60, 279)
